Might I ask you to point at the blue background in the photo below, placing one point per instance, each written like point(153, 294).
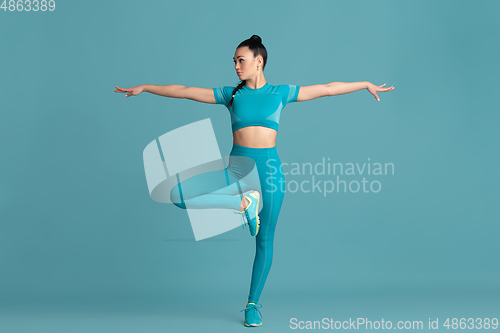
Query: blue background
point(84, 248)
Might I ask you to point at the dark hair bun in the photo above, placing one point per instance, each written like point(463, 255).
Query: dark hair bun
point(256, 39)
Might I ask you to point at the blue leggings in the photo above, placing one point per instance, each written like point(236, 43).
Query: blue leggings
point(219, 189)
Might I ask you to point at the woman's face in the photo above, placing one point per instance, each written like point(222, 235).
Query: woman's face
point(245, 64)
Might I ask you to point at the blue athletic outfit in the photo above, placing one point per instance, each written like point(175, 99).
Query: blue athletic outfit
point(250, 107)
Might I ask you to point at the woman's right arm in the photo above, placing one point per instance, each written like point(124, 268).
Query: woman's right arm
point(173, 91)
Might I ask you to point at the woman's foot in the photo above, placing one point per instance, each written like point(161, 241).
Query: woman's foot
point(251, 317)
point(251, 212)
point(244, 204)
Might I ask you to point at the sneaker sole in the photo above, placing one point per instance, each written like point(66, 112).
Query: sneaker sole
point(253, 325)
point(256, 195)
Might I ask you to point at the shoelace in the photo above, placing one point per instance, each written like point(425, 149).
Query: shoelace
point(242, 221)
point(253, 309)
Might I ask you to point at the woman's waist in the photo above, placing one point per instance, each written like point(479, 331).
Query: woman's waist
point(253, 150)
point(255, 136)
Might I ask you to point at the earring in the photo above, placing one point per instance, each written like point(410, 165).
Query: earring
point(257, 67)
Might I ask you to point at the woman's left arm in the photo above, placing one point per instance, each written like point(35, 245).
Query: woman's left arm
point(307, 93)
point(339, 88)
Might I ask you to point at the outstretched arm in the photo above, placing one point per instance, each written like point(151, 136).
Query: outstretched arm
point(170, 90)
point(203, 95)
point(307, 93)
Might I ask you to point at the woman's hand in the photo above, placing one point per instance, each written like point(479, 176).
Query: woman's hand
point(134, 91)
point(373, 89)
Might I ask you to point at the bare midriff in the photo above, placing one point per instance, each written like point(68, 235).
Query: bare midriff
point(255, 137)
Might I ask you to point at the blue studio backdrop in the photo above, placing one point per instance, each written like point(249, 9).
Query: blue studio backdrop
point(83, 247)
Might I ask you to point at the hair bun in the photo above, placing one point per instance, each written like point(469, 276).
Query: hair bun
point(256, 38)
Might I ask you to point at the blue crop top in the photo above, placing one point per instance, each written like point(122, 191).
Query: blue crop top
point(256, 107)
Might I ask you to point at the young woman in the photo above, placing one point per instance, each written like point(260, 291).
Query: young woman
point(255, 107)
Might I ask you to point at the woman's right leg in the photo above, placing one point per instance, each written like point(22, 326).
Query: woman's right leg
point(213, 189)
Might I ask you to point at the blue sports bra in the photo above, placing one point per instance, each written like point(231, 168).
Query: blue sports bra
point(256, 107)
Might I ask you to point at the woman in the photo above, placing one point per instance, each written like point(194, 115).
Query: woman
point(255, 107)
